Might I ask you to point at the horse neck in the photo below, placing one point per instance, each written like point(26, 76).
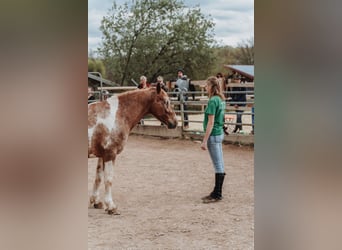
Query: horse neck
point(136, 104)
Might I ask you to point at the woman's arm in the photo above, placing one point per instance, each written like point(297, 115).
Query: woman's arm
point(208, 130)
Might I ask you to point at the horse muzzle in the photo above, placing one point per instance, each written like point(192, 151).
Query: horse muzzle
point(172, 124)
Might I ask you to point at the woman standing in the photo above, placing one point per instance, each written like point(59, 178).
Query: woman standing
point(213, 127)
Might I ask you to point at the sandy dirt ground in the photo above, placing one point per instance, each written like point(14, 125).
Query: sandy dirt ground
point(158, 185)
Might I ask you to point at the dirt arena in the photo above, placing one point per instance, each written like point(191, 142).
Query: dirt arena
point(158, 185)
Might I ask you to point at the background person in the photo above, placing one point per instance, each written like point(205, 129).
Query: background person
point(212, 140)
point(91, 97)
point(238, 99)
point(105, 94)
point(143, 83)
point(252, 132)
point(160, 80)
point(182, 84)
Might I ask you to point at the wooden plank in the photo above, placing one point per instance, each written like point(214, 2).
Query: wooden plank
point(118, 88)
point(231, 108)
point(199, 82)
point(160, 131)
point(247, 85)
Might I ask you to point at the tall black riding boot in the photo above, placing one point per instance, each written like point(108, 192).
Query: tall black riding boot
point(219, 179)
point(235, 129)
point(238, 126)
point(216, 194)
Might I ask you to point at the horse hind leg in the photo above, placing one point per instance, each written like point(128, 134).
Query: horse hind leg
point(108, 177)
point(95, 197)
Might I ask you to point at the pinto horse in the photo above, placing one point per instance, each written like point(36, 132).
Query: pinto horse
point(109, 124)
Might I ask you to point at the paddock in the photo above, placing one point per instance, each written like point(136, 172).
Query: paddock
point(158, 184)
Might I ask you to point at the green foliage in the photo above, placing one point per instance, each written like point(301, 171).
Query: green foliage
point(156, 38)
point(223, 55)
point(91, 65)
point(245, 53)
point(96, 65)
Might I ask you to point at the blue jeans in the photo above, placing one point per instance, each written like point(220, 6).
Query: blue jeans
point(253, 117)
point(186, 117)
point(239, 118)
point(215, 151)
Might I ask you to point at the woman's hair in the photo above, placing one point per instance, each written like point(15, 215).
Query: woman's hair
point(214, 87)
point(143, 78)
point(160, 78)
point(219, 75)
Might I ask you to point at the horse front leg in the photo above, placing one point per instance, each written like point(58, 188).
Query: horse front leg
point(95, 198)
point(108, 178)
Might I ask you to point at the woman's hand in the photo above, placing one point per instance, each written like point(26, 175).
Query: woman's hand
point(204, 145)
point(208, 130)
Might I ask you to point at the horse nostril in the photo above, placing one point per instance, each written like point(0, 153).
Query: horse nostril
point(172, 125)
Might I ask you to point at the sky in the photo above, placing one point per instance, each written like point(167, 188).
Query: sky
point(234, 19)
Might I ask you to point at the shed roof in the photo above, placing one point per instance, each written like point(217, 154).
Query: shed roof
point(244, 70)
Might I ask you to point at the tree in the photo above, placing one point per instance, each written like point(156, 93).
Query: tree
point(223, 55)
point(156, 37)
point(245, 53)
point(96, 65)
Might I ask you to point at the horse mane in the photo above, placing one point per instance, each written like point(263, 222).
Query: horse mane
point(134, 91)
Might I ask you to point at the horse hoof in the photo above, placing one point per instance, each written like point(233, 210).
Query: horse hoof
point(113, 211)
point(98, 205)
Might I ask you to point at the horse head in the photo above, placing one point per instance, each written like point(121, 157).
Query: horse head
point(161, 108)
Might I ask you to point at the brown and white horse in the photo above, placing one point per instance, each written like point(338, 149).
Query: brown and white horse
point(109, 124)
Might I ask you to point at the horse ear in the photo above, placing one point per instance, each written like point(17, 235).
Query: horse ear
point(158, 88)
